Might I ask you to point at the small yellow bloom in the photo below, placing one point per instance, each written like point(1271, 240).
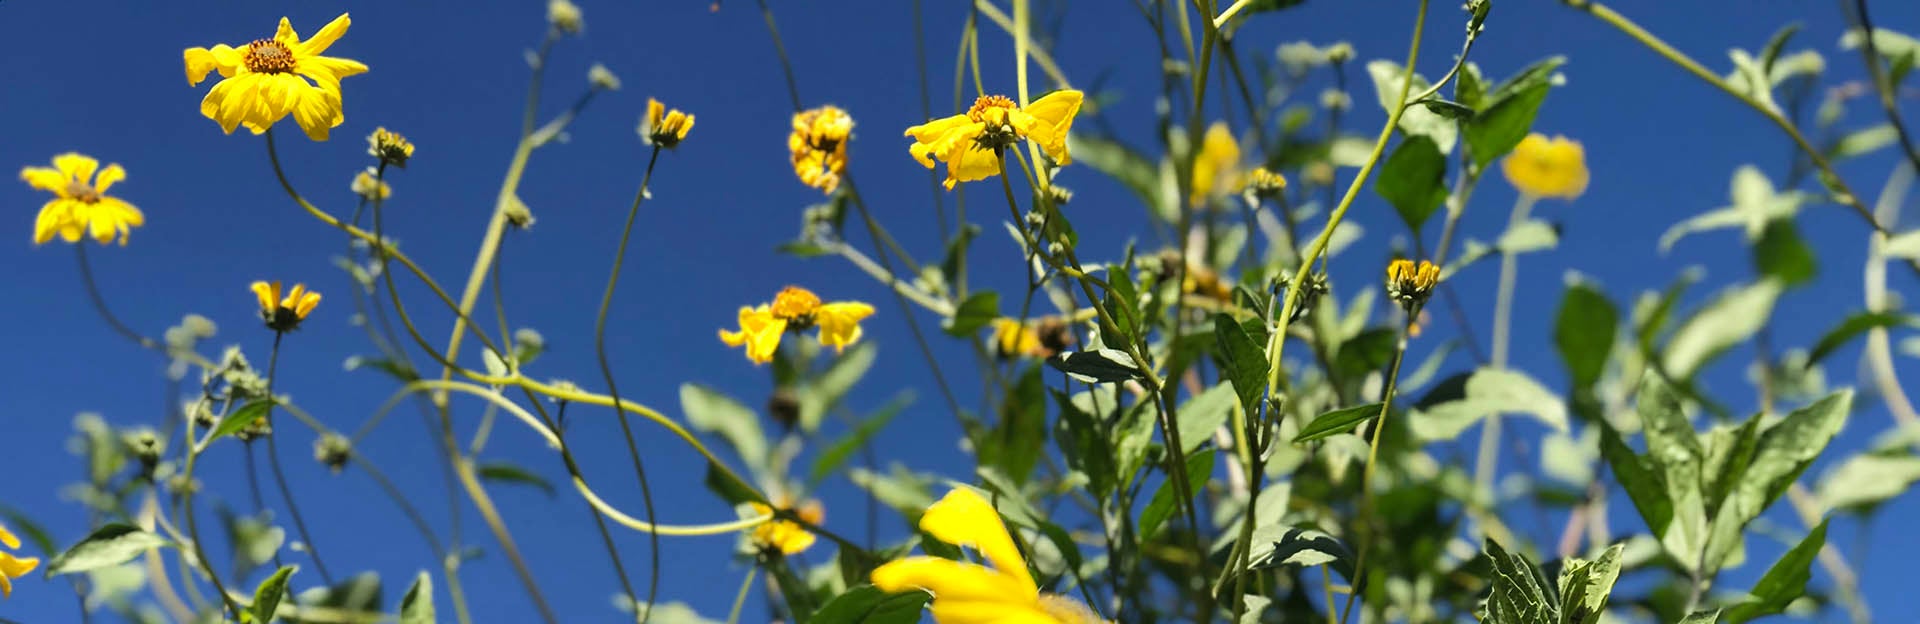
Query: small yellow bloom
point(565, 16)
point(389, 147)
point(80, 202)
point(1012, 338)
point(1410, 283)
point(1217, 167)
point(284, 314)
point(663, 127)
point(787, 537)
point(1265, 184)
point(796, 309)
point(369, 187)
point(970, 143)
point(12, 567)
point(1544, 167)
point(970, 593)
point(819, 146)
point(268, 79)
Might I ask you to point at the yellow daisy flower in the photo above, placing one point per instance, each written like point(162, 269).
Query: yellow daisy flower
point(12, 567)
point(390, 147)
point(1217, 167)
point(1264, 183)
point(796, 309)
point(665, 128)
point(970, 143)
point(80, 203)
point(1410, 283)
point(372, 188)
point(1012, 339)
point(268, 79)
point(284, 314)
point(785, 537)
point(819, 146)
point(970, 593)
point(1544, 167)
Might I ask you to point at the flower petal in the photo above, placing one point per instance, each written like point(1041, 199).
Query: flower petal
point(267, 293)
point(325, 37)
point(963, 518)
point(981, 612)
point(950, 580)
point(113, 174)
point(284, 34)
point(77, 167)
point(226, 103)
point(8, 539)
point(927, 132)
point(45, 179)
point(316, 111)
point(971, 164)
point(840, 323)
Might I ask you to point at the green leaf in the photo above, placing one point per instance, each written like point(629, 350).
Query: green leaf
point(819, 394)
point(1674, 450)
point(1642, 480)
point(804, 249)
point(1776, 43)
point(1584, 332)
point(1084, 443)
point(1166, 500)
point(1891, 45)
point(1703, 617)
point(1276, 545)
point(1782, 255)
point(111, 544)
point(1521, 593)
point(1732, 318)
point(1414, 180)
point(1506, 113)
point(1527, 237)
point(1097, 366)
point(976, 312)
point(1863, 141)
point(1783, 582)
point(1448, 109)
point(1489, 391)
point(25, 526)
point(1203, 414)
point(837, 453)
point(1865, 480)
point(1855, 325)
point(416, 607)
point(1783, 452)
point(507, 472)
point(1336, 422)
point(266, 598)
point(1018, 440)
point(1388, 77)
point(1755, 204)
point(1367, 352)
point(866, 604)
point(710, 411)
point(1586, 585)
point(398, 370)
point(956, 252)
point(1470, 86)
point(1243, 361)
point(240, 418)
point(730, 490)
point(1904, 246)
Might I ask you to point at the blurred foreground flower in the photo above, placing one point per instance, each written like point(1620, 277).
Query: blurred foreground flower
point(819, 146)
point(372, 188)
point(268, 79)
point(796, 309)
point(1040, 339)
point(784, 536)
point(12, 567)
point(1217, 167)
point(80, 202)
point(284, 314)
point(970, 143)
point(970, 593)
point(663, 127)
point(390, 147)
point(565, 17)
point(1544, 167)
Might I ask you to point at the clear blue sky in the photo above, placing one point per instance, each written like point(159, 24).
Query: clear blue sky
point(107, 81)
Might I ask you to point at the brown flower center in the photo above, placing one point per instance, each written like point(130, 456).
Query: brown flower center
point(990, 109)
point(267, 56)
point(81, 191)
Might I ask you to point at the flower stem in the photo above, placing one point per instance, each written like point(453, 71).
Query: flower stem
point(100, 303)
point(1366, 476)
point(447, 562)
point(1489, 454)
point(280, 475)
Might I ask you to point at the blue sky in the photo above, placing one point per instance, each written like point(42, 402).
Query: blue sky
point(108, 82)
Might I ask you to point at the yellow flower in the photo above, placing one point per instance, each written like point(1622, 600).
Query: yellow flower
point(787, 537)
point(970, 143)
point(370, 187)
point(663, 127)
point(1410, 283)
point(1012, 338)
point(80, 203)
point(1544, 167)
point(12, 567)
point(390, 147)
point(969, 593)
point(284, 314)
point(796, 309)
point(1217, 167)
point(819, 146)
point(268, 79)
point(564, 16)
point(1264, 183)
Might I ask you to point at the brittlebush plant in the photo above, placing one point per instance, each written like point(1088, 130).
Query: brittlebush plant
point(1202, 426)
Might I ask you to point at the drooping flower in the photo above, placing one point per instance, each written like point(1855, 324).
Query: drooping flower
point(1544, 167)
point(1265, 184)
point(819, 146)
point(796, 309)
point(12, 567)
point(1217, 167)
point(370, 187)
point(389, 147)
point(970, 143)
point(268, 79)
point(785, 536)
point(284, 314)
point(663, 127)
point(970, 593)
point(80, 203)
point(1410, 284)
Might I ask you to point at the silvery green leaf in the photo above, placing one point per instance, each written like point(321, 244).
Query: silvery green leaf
point(1490, 391)
point(1097, 366)
point(1866, 480)
point(1528, 236)
point(1755, 203)
point(1730, 319)
point(1388, 77)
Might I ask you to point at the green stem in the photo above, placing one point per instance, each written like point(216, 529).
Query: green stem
point(280, 475)
point(100, 303)
point(1489, 454)
point(447, 562)
point(1364, 525)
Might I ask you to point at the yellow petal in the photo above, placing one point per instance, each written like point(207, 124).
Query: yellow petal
point(1057, 108)
point(950, 580)
point(964, 518)
point(6, 587)
point(52, 216)
point(119, 210)
point(284, 34)
point(971, 164)
point(100, 227)
point(202, 61)
point(306, 304)
point(840, 323)
point(267, 293)
point(927, 132)
point(316, 111)
point(45, 179)
point(227, 102)
point(77, 167)
point(327, 71)
point(113, 174)
point(979, 612)
point(325, 37)
point(7, 538)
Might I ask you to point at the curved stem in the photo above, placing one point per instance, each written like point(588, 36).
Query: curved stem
point(1882, 84)
point(280, 475)
point(1366, 475)
point(100, 303)
point(499, 527)
point(419, 521)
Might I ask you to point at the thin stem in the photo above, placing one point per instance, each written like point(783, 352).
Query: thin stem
point(1366, 476)
point(193, 529)
point(899, 294)
point(499, 527)
point(606, 369)
point(1489, 454)
point(740, 599)
point(259, 502)
point(426, 532)
point(1882, 84)
point(100, 303)
point(280, 475)
point(786, 65)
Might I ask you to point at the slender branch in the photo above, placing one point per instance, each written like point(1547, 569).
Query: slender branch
point(100, 303)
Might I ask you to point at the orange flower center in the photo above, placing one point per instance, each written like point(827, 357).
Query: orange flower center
point(81, 191)
point(795, 304)
point(990, 109)
point(267, 56)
